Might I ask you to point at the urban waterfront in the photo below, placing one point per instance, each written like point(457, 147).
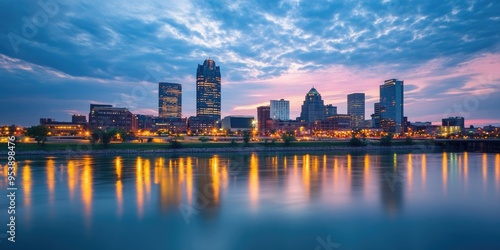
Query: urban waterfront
point(258, 201)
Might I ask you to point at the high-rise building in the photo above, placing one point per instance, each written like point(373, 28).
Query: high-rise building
point(376, 115)
point(208, 90)
point(169, 99)
point(356, 108)
point(263, 114)
point(313, 108)
point(392, 106)
point(330, 110)
point(280, 110)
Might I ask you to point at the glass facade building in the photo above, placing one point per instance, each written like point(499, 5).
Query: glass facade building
point(208, 90)
point(169, 99)
point(392, 106)
point(356, 108)
point(313, 108)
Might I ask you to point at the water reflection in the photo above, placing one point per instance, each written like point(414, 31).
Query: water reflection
point(202, 183)
point(27, 183)
point(86, 187)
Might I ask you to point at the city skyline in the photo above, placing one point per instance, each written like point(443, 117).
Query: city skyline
point(270, 51)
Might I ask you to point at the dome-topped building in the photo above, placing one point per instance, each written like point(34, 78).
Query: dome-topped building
point(313, 108)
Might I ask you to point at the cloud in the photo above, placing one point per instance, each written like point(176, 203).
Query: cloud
point(267, 50)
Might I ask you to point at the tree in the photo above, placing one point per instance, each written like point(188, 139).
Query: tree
point(386, 140)
point(408, 141)
point(174, 143)
point(288, 138)
point(203, 139)
point(356, 142)
point(39, 133)
point(247, 135)
point(104, 137)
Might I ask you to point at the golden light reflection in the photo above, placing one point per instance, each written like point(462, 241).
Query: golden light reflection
point(497, 170)
point(119, 185)
point(189, 180)
point(215, 178)
point(159, 164)
point(424, 169)
point(445, 170)
point(147, 177)
point(254, 181)
point(118, 167)
point(306, 173)
point(335, 172)
point(366, 172)
point(27, 182)
point(349, 169)
point(139, 186)
point(51, 180)
point(72, 178)
point(466, 168)
point(485, 169)
point(86, 186)
point(410, 172)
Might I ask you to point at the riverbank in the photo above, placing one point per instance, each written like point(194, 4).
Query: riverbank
point(152, 148)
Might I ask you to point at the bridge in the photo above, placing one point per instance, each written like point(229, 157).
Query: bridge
point(470, 145)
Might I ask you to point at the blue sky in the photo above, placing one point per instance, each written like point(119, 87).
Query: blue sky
point(57, 57)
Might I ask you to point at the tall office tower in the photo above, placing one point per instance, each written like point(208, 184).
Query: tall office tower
point(330, 110)
point(356, 108)
point(392, 106)
point(169, 99)
point(376, 115)
point(208, 90)
point(280, 110)
point(313, 108)
point(263, 114)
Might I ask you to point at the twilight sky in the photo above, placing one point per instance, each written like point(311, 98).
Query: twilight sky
point(57, 58)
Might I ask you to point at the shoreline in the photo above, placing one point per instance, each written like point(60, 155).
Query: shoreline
point(422, 148)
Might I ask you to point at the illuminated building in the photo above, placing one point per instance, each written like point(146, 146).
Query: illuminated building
point(454, 121)
point(169, 99)
point(280, 110)
point(174, 125)
point(63, 128)
point(313, 107)
point(234, 123)
point(208, 90)
point(107, 117)
point(334, 122)
point(356, 108)
point(202, 124)
point(263, 114)
point(392, 106)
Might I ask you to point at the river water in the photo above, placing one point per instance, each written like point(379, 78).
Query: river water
point(256, 201)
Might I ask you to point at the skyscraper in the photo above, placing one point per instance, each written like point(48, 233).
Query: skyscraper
point(356, 108)
point(169, 99)
point(313, 108)
point(376, 115)
point(391, 106)
point(280, 110)
point(208, 90)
